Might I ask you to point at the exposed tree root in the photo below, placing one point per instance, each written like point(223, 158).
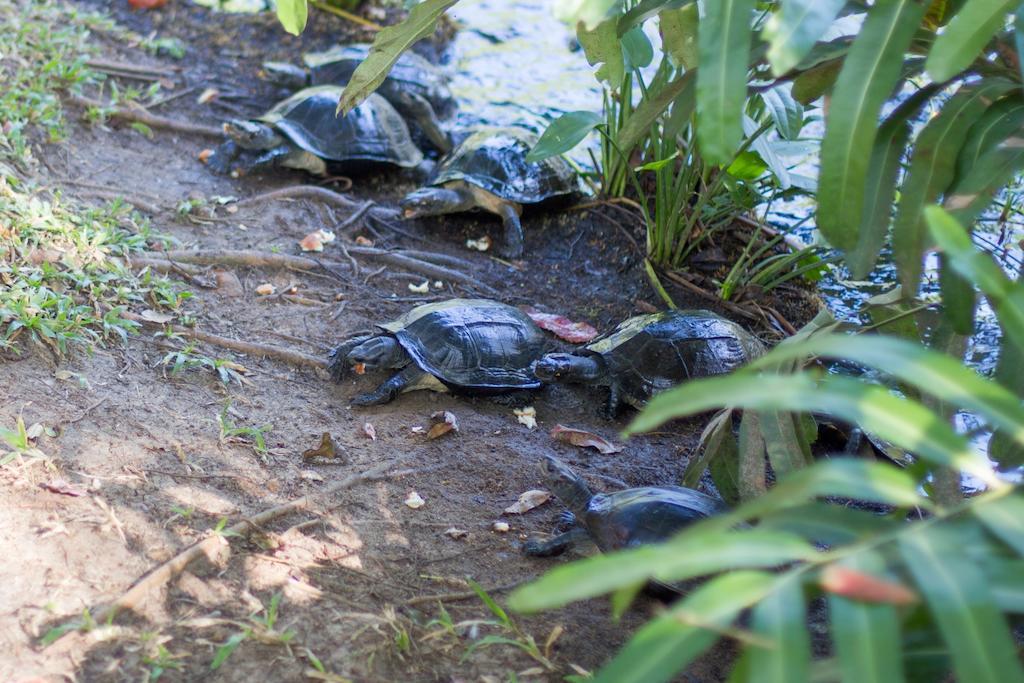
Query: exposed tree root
point(453, 597)
point(300, 192)
point(140, 204)
point(158, 578)
point(140, 115)
point(292, 357)
point(108, 66)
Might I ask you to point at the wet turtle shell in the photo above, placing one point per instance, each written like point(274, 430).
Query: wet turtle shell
point(650, 514)
point(372, 131)
point(495, 159)
point(471, 344)
point(411, 73)
point(648, 354)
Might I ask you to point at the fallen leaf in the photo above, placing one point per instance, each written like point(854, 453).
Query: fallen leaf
point(526, 416)
point(228, 283)
point(205, 154)
point(359, 368)
point(500, 527)
point(364, 241)
point(63, 488)
point(207, 95)
point(561, 327)
point(35, 430)
point(316, 240)
point(370, 431)
point(857, 585)
point(326, 449)
point(420, 289)
point(482, 244)
point(456, 533)
point(310, 475)
point(266, 289)
point(444, 422)
point(527, 501)
point(414, 501)
point(154, 317)
point(578, 437)
point(147, 4)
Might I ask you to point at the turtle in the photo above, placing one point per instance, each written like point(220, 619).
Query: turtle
point(465, 345)
point(622, 519)
point(303, 132)
point(647, 354)
point(488, 170)
point(414, 86)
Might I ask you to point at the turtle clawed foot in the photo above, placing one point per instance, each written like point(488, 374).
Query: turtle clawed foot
point(534, 547)
point(337, 365)
point(511, 250)
point(566, 519)
point(372, 399)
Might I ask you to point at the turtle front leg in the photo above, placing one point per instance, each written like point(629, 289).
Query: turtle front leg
point(611, 408)
point(337, 360)
point(416, 108)
point(220, 161)
point(512, 243)
point(268, 160)
point(409, 377)
point(556, 545)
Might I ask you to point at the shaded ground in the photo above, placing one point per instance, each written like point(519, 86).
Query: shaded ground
point(144, 448)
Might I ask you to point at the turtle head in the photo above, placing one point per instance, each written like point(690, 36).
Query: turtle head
point(286, 75)
point(251, 134)
point(379, 352)
point(434, 201)
point(568, 486)
point(567, 367)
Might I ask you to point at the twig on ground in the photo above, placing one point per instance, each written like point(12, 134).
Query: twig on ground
point(112, 195)
point(163, 265)
point(452, 597)
point(107, 65)
point(140, 115)
point(728, 305)
point(161, 575)
point(292, 357)
point(355, 217)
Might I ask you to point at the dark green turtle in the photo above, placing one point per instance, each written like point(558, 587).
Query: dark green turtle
point(414, 86)
point(650, 353)
point(303, 132)
point(488, 170)
point(465, 345)
point(623, 519)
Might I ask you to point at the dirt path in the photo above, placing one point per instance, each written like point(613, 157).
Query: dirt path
point(143, 454)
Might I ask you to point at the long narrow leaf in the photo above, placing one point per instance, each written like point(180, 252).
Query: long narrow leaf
point(904, 422)
point(724, 49)
point(867, 636)
point(1002, 120)
point(387, 47)
point(993, 170)
point(792, 30)
point(1005, 518)
point(667, 644)
point(870, 71)
point(965, 36)
point(564, 133)
point(825, 523)
point(781, 618)
point(650, 108)
point(959, 600)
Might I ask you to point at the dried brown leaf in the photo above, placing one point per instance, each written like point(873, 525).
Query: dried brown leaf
point(370, 431)
point(561, 327)
point(444, 422)
point(583, 439)
point(528, 500)
point(857, 585)
point(326, 449)
point(63, 488)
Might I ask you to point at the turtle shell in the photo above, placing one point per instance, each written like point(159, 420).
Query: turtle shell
point(650, 353)
point(650, 514)
point(495, 159)
point(411, 72)
point(471, 344)
point(372, 131)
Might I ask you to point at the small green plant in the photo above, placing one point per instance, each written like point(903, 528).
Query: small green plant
point(255, 436)
point(157, 657)
point(261, 628)
point(186, 358)
point(21, 442)
point(512, 635)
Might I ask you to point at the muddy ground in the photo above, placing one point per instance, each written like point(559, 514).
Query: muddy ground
point(144, 447)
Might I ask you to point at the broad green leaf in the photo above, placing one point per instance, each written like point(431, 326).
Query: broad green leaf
point(636, 49)
point(870, 71)
point(826, 523)
point(1005, 518)
point(867, 636)
point(932, 167)
point(644, 10)
point(679, 34)
point(958, 298)
point(881, 183)
point(1018, 37)
point(792, 30)
point(387, 47)
point(564, 133)
point(751, 466)
point(831, 51)
point(965, 36)
point(724, 50)
point(668, 643)
point(931, 372)
point(787, 113)
point(781, 618)
point(747, 166)
point(601, 46)
point(1003, 577)
point(993, 170)
point(786, 450)
point(651, 107)
point(812, 84)
point(960, 602)
point(588, 12)
point(763, 147)
point(718, 441)
point(904, 422)
point(1002, 120)
point(698, 553)
point(1005, 296)
point(292, 14)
